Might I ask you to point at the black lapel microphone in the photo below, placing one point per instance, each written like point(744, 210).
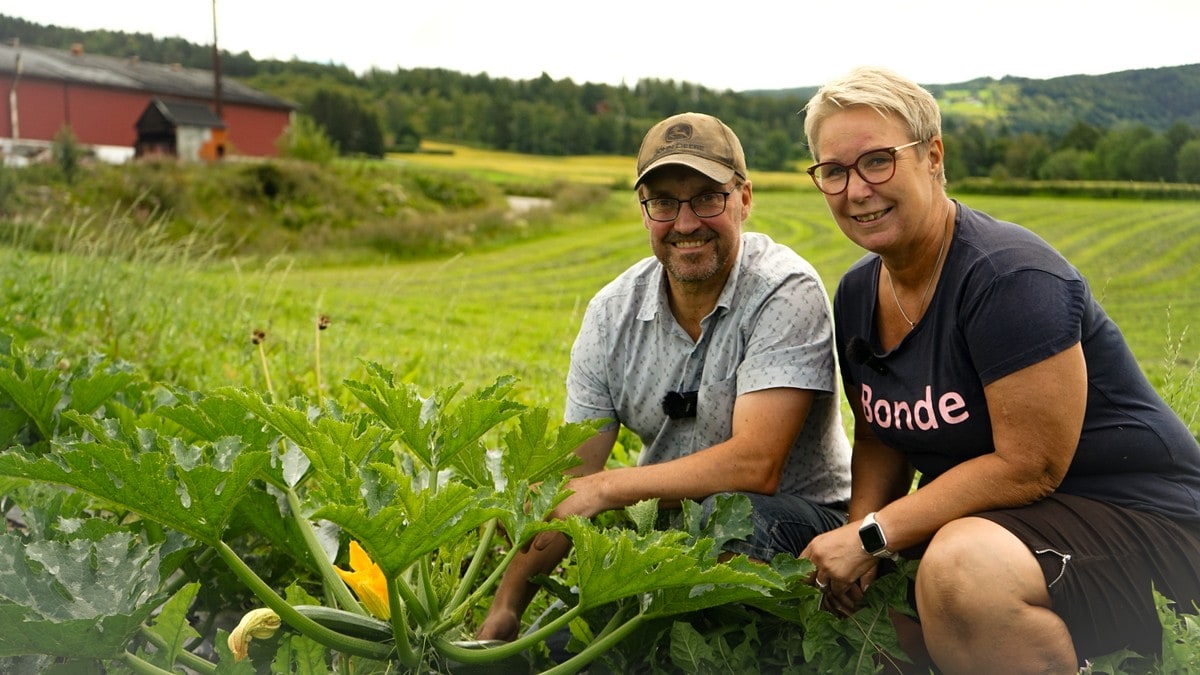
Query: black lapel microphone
point(859, 351)
point(680, 405)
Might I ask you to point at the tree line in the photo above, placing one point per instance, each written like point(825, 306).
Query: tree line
point(1130, 152)
point(1031, 129)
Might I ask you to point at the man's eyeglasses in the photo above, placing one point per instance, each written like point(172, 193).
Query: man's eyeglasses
point(666, 209)
point(873, 166)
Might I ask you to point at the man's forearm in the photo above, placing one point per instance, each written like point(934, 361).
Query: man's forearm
point(516, 590)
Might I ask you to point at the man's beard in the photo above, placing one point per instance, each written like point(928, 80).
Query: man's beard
point(695, 273)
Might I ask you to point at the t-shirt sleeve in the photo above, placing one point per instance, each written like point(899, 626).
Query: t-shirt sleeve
point(1021, 318)
point(790, 340)
point(588, 393)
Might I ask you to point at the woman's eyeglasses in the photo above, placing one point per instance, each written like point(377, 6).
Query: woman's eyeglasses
point(873, 166)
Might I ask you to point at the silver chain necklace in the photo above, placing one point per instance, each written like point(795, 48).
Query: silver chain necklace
point(929, 284)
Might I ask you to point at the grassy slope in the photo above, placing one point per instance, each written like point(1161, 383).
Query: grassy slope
point(515, 309)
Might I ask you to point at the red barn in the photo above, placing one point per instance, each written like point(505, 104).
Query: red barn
point(101, 99)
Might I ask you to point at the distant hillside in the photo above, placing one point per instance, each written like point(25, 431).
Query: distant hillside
point(1155, 97)
point(1084, 116)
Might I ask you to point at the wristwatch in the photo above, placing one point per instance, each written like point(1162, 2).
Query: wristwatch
point(873, 539)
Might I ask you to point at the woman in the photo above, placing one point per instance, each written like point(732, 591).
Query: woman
point(1056, 486)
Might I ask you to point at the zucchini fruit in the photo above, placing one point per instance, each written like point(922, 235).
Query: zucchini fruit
point(348, 623)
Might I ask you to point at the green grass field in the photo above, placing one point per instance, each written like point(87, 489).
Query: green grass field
point(515, 310)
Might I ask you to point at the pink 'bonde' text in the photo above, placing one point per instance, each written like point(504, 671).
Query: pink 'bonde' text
point(922, 414)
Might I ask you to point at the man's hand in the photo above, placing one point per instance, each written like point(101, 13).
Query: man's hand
point(500, 624)
point(587, 495)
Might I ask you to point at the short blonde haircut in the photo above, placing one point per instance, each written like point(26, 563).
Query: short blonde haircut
point(884, 91)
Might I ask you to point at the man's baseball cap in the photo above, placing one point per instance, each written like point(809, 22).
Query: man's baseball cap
point(695, 140)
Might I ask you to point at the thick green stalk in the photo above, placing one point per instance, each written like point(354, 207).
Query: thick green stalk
point(596, 649)
point(288, 614)
point(177, 582)
point(410, 600)
point(333, 582)
point(142, 666)
point(618, 618)
point(493, 654)
point(459, 611)
point(404, 651)
point(425, 576)
point(468, 580)
point(187, 658)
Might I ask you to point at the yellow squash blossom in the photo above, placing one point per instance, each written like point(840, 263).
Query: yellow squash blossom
point(257, 623)
point(367, 582)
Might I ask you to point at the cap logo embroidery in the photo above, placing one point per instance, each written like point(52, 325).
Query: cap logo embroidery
point(679, 132)
point(694, 140)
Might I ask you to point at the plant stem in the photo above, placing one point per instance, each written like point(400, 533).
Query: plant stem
point(189, 659)
point(493, 654)
point(142, 666)
point(199, 560)
point(288, 614)
point(865, 655)
point(317, 358)
point(425, 575)
point(484, 588)
point(332, 581)
point(468, 580)
point(262, 357)
point(409, 599)
point(404, 651)
point(617, 618)
point(597, 648)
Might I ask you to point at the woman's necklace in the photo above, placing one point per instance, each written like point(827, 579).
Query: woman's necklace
point(929, 284)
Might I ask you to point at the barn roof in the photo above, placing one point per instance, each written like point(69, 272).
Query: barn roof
point(183, 114)
point(131, 74)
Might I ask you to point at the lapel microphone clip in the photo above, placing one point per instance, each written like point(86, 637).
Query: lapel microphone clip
point(858, 350)
point(680, 405)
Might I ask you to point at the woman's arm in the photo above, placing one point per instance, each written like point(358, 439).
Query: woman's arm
point(1037, 416)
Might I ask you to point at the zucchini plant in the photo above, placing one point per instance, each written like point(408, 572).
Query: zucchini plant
point(123, 486)
point(144, 520)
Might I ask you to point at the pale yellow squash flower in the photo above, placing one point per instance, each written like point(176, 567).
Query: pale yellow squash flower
point(367, 582)
point(257, 623)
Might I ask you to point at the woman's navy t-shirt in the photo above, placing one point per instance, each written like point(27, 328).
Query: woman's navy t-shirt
point(1006, 300)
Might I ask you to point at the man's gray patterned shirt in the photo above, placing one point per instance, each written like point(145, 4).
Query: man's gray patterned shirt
point(772, 327)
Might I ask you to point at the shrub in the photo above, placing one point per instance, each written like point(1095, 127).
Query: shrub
point(305, 140)
point(67, 153)
point(8, 187)
point(450, 190)
point(1187, 162)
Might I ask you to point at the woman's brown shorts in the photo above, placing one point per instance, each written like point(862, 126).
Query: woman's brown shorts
point(1101, 561)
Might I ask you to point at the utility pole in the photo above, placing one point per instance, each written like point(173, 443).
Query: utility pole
point(12, 94)
point(216, 55)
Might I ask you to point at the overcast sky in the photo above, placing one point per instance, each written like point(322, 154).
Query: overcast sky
point(731, 44)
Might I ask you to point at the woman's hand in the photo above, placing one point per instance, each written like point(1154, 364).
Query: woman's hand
point(843, 569)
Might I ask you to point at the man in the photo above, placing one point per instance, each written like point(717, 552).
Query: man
point(717, 352)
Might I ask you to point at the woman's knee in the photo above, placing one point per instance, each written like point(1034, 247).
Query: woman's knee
point(954, 553)
point(972, 561)
point(984, 606)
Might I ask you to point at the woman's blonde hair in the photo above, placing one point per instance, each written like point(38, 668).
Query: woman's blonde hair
point(880, 89)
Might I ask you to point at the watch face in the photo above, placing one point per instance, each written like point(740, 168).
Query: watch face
point(872, 538)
